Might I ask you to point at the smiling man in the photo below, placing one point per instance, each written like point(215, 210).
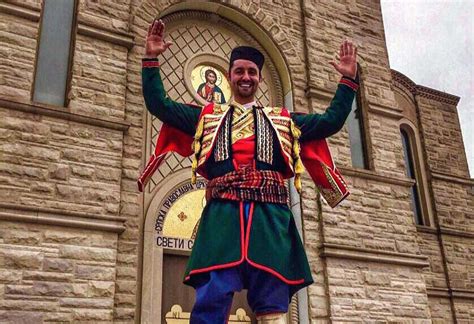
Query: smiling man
point(247, 238)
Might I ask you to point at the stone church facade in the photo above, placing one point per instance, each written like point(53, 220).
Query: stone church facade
point(80, 243)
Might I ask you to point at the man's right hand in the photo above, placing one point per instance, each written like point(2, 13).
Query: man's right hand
point(155, 42)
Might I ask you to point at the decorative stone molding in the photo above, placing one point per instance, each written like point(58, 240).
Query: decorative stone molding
point(371, 175)
point(426, 229)
point(453, 232)
point(49, 216)
point(319, 93)
point(437, 95)
point(385, 111)
point(438, 292)
point(403, 82)
point(463, 293)
point(403, 91)
point(445, 231)
point(371, 255)
point(62, 113)
point(452, 178)
point(22, 11)
point(447, 293)
point(86, 29)
point(107, 35)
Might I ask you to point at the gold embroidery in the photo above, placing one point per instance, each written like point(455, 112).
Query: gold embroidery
point(242, 124)
point(332, 195)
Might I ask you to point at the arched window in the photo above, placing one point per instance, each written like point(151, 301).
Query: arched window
point(412, 174)
point(357, 138)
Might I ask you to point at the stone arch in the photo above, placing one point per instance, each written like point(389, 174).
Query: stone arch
point(152, 277)
point(265, 30)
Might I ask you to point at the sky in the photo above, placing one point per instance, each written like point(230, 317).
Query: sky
point(432, 43)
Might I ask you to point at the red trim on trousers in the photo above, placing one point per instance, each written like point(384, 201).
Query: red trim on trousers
point(150, 64)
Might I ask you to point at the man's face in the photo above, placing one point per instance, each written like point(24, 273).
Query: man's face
point(211, 78)
point(244, 78)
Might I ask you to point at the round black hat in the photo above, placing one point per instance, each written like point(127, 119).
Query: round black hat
point(247, 53)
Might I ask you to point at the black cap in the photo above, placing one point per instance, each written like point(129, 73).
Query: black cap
point(247, 53)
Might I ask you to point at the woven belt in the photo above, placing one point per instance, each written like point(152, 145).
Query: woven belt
point(249, 184)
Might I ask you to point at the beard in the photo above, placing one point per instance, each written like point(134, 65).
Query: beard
point(246, 89)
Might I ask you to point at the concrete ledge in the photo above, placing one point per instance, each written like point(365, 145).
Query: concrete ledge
point(453, 232)
point(98, 32)
point(370, 255)
point(447, 293)
point(463, 293)
point(48, 216)
point(385, 111)
point(371, 175)
point(444, 231)
point(23, 11)
point(62, 113)
point(107, 35)
point(426, 229)
point(452, 178)
point(438, 292)
point(319, 93)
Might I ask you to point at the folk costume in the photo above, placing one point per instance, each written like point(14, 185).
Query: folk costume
point(246, 230)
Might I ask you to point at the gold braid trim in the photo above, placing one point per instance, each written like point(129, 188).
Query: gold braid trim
point(196, 147)
point(297, 164)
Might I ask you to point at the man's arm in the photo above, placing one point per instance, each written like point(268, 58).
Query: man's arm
point(181, 116)
point(316, 126)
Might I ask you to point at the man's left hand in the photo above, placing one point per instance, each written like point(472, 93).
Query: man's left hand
point(347, 65)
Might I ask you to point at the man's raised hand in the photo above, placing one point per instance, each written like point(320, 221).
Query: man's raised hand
point(155, 40)
point(347, 65)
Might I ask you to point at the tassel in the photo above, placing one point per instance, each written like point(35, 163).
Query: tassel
point(297, 164)
point(196, 147)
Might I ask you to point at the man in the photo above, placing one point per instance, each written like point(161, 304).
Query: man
point(247, 238)
point(208, 90)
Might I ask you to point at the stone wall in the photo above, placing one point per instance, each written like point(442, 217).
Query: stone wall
point(71, 218)
point(60, 179)
point(18, 52)
point(56, 274)
point(442, 135)
point(370, 291)
point(440, 310)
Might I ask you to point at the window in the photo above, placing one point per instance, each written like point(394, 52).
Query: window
point(54, 52)
point(411, 173)
point(355, 124)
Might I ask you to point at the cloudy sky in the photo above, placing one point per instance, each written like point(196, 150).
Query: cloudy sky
point(432, 42)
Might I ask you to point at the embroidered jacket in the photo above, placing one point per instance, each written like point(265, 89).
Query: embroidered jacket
point(270, 241)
